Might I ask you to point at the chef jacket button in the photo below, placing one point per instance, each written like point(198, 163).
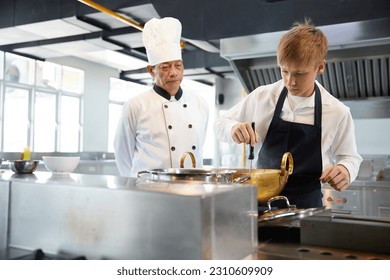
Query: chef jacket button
point(190, 126)
point(165, 106)
point(173, 149)
point(194, 147)
point(169, 126)
point(185, 105)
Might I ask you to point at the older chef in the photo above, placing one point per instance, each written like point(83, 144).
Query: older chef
point(298, 115)
point(158, 126)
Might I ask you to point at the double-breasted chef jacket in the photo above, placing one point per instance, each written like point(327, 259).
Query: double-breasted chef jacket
point(156, 130)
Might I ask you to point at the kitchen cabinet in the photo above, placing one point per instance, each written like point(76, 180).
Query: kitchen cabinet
point(362, 197)
point(348, 201)
point(378, 201)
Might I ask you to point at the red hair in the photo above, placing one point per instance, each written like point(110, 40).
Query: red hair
point(303, 44)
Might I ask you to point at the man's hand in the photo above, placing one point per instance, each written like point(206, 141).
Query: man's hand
point(337, 177)
point(243, 133)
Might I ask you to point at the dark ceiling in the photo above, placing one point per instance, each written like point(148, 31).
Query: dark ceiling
point(45, 29)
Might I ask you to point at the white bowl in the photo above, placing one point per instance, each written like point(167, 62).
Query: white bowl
point(61, 164)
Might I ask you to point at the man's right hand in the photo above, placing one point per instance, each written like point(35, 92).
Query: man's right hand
point(243, 133)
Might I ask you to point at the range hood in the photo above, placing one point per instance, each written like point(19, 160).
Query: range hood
point(358, 63)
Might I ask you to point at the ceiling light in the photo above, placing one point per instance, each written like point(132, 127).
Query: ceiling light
point(115, 59)
point(12, 35)
point(52, 29)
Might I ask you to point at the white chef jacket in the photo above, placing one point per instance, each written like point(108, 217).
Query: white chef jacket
point(338, 144)
point(154, 132)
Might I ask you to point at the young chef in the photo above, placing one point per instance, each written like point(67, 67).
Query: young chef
point(298, 115)
point(160, 125)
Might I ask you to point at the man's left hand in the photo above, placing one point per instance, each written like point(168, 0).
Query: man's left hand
point(336, 176)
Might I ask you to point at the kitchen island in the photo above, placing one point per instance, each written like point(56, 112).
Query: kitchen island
point(111, 217)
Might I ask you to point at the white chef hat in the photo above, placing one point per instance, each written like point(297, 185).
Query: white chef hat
point(161, 38)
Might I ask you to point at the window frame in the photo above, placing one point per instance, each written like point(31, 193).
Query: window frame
point(32, 91)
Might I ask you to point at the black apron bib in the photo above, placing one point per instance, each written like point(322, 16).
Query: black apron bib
point(303, 141)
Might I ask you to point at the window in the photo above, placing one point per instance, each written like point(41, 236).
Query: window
point(69, 124)
point(41, 105)
point(19, 69)
point(120, 91)
point(45, 122)
point(72, 80)
point(16, 119)
point(48, 75)
point(115, 111)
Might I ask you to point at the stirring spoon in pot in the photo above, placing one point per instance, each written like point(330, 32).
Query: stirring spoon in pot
point(251, 156)
point(251, 151)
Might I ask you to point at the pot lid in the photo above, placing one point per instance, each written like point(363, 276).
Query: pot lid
point(287, 212)
point(290, 212)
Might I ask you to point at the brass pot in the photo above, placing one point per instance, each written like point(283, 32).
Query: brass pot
point(269, 182)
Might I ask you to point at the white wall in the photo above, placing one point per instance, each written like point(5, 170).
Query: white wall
point(97, 87)
point(373, 136)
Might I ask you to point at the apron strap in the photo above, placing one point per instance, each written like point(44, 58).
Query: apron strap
point(317, 105)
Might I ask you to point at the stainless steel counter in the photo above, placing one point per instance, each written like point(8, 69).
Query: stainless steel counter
point(110, 217)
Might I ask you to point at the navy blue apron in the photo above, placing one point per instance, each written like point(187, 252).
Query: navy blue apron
point(303, 141)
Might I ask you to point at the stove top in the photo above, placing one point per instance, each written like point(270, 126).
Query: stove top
point(38, 254)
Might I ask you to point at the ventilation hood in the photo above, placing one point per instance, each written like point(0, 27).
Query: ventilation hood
point(358, 31)
point(358, 66)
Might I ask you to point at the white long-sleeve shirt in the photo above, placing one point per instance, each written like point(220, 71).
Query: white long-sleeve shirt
point(338, 144)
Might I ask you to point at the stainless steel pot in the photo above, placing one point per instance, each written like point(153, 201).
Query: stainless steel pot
point(214, 175)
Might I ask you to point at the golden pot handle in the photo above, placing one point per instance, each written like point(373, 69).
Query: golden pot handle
point(287, 159)
point(183, 157)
